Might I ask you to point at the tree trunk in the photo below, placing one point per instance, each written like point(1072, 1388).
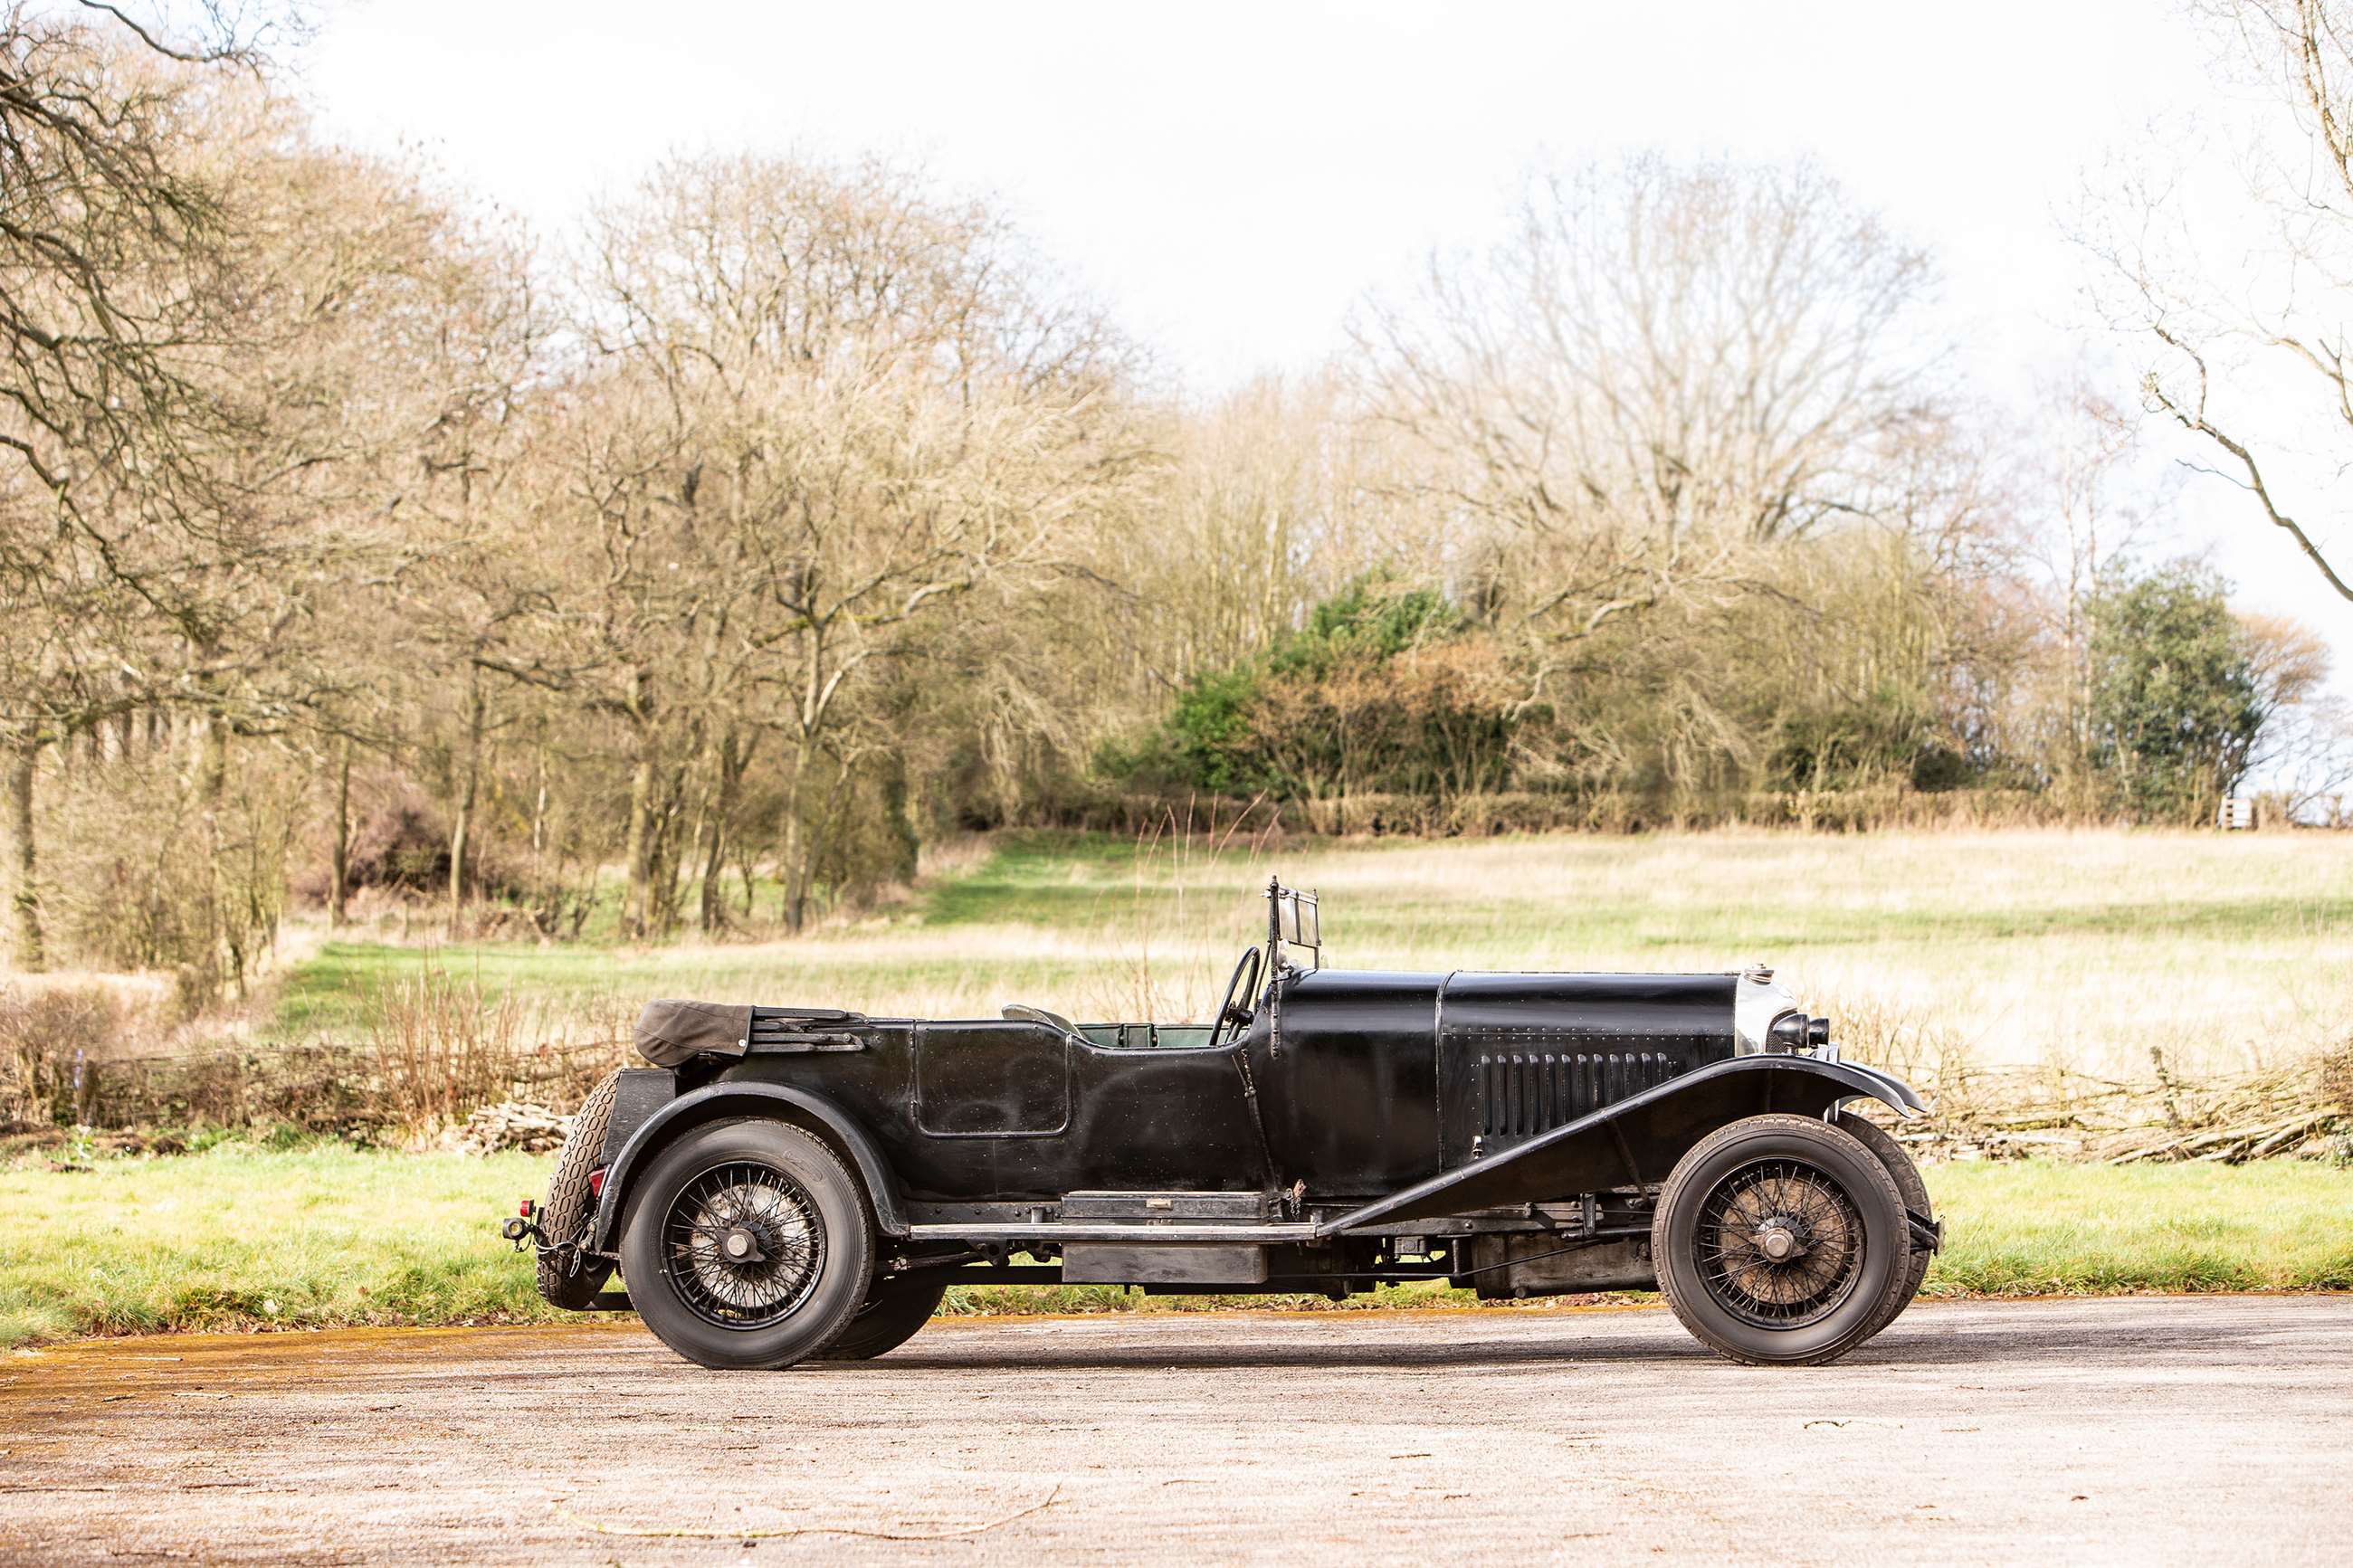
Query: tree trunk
point(634, 907)
point(636, 904)
point(469, 784)
point(224, 958)
point(796, 852)
point(690, 855)
point(906, 849)
point(539, 802)
point(24, 945)
point(339, 872)
point(733, 756)
point(670, 856)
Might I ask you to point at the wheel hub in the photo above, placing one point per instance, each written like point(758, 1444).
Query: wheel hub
point(742, 1245)
point(1778, 1239)
point(1780, 1244)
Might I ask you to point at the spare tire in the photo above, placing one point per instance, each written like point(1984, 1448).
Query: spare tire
point(568, 1278)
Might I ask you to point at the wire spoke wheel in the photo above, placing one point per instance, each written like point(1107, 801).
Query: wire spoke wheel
point(1780, 1244)
point(742, 1245)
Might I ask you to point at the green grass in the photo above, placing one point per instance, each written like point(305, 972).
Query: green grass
point(327, 993)
point(243, 1238)
point(2041, 1228)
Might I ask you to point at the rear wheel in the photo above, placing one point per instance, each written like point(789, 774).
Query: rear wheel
point(1780, 1239)
point(571, 1279)
point(1914, 1191)
point(748, 1244)
point(896, 1309)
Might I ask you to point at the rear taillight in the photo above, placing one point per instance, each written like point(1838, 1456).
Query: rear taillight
point(528, 1206)
point(597, 1182)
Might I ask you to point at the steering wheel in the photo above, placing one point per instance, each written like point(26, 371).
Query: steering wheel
point(1230, 1016)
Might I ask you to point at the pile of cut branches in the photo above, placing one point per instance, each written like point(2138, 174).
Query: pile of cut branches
point(514, 1124)
point(2304, 1111)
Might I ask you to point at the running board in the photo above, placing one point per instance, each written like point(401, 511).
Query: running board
point(1098, 1230)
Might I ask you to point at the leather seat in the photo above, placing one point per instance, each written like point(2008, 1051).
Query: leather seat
point(1041, 1016)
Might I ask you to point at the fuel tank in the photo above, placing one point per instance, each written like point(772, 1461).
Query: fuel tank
point(1350, 1079)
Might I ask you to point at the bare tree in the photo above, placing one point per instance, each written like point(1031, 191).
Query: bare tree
point(225, 448)
point(864, 409)
point(1660, 370)
point(2249, 350)
point(105, 239)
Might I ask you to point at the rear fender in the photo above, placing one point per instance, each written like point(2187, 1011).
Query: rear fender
point(1637, 1141)
point(777, 1101)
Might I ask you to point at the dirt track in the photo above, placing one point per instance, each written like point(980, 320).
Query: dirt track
point(2152, 1429)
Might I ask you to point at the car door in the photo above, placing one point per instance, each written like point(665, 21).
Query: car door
point(992, 1078)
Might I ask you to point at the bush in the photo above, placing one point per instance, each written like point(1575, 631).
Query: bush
point(145, 877)
point(2176, 705)
point(1386, 690)
point(402, 846)
point(438, 1048)
point(46, 1037)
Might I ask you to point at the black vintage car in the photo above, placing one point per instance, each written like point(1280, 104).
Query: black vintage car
point(794, 1182)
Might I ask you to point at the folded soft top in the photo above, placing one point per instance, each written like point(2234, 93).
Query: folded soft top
point(670, 1032)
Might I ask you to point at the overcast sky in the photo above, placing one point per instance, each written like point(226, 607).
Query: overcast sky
point(1231, 179)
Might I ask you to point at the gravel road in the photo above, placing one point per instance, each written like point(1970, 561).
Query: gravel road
point(2149, 1430)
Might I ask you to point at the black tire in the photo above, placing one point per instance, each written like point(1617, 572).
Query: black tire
point(1841, 1210)
point(571, 1202)
point(1914, 1192)
point(788, 1192)
point(896, 1309)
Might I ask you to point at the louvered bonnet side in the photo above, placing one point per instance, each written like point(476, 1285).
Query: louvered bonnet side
point(1521, 1054)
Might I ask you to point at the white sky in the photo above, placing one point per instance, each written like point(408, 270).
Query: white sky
point(1231, 179)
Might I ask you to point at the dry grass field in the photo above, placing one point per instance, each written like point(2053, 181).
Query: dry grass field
point(2084, 949)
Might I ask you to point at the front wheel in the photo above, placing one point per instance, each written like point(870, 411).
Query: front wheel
point(1915, 1193)
point(1780, 1240)
point(748, 1244)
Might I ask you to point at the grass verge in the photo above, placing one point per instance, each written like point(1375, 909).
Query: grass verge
point(242, 1238)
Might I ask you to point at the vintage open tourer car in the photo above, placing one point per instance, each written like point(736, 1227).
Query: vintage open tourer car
point(785, 1183)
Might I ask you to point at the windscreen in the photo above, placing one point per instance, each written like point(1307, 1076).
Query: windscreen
point(1297, 921)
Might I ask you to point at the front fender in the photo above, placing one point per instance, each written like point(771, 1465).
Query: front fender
point(724, 1099)
point(1634, 1141)
point(1899, 1095)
